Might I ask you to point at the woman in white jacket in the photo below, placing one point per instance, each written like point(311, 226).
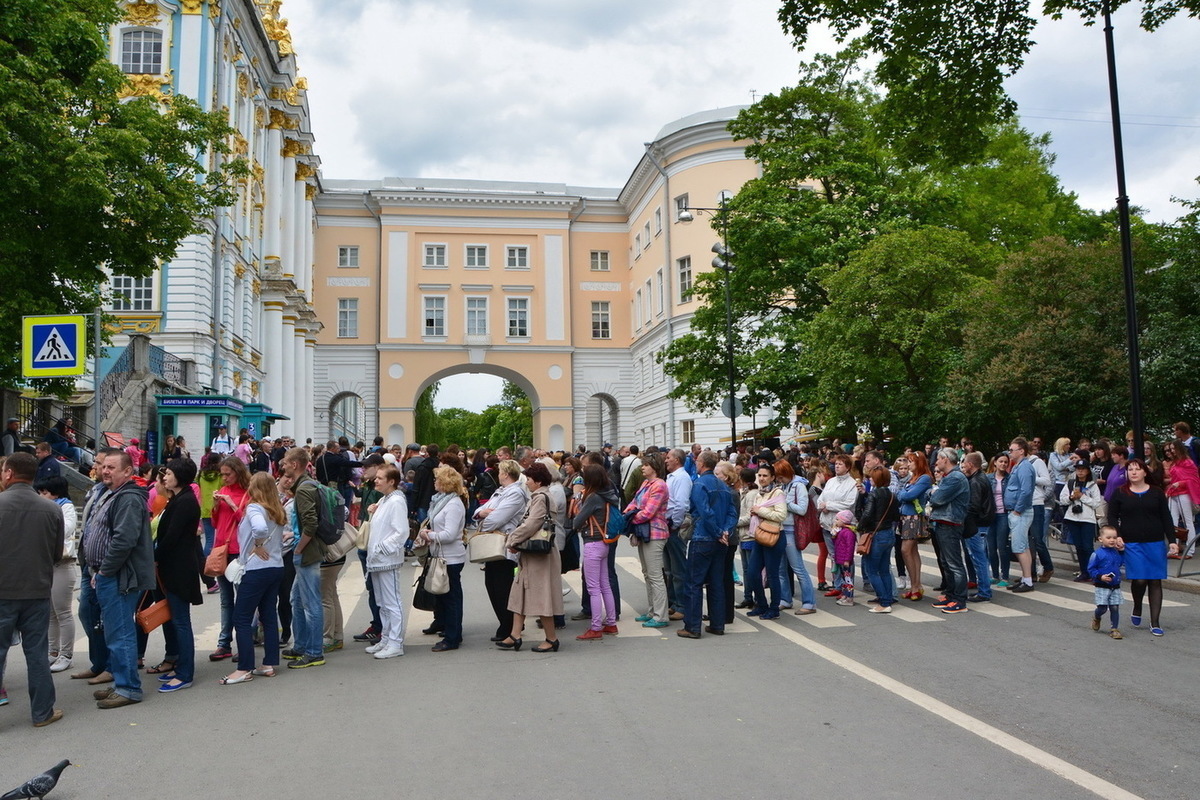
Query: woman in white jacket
point(447, 516)
point(385, 556)
point(1080, 498)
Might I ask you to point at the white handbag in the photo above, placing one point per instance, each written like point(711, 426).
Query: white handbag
point(484, 546)
point(234, 571)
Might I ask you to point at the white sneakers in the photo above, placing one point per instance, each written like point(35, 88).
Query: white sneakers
point(881, 609)
point(374, 648)
point(390, 651)
point(61, 663)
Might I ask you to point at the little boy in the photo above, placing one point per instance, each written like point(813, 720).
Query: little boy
point(1105, 568)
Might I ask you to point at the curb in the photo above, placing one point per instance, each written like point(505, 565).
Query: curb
point(1188, 584)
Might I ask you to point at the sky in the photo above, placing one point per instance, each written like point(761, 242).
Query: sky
point(569, 92)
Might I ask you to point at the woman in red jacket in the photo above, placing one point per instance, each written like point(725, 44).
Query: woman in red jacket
point(229, 505)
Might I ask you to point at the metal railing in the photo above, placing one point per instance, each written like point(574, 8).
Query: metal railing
point(115, 381)
point(166, 366)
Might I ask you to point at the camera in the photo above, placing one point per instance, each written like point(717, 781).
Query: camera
point(1077, 508)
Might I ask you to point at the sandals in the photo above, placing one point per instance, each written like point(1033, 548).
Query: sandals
point(161, 667)
point(228, 681)
point(263, 672)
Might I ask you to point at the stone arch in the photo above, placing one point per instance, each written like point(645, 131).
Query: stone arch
point(601, 421)
point(348, 417)
point(510, 375)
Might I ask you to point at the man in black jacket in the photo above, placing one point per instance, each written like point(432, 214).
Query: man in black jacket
point(981, 513)
point(423, 481)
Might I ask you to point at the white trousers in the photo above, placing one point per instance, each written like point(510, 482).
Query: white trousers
point(388, 590)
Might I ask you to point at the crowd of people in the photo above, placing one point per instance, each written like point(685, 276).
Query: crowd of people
point(251, 523)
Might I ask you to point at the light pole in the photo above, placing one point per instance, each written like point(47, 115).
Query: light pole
point(722, 261)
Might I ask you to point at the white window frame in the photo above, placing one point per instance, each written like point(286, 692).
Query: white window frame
point(657, 221)
point(637, 246)
point(688, 431)
point(133, 295)
point(511, 307)
point(660, 290)
point(348, 256)
point(601, 319)
point(426, 308)
point(142, 37)
point(601, 261)
point(683, 268)
point(637, 310)
point(681, 204)
point(646, 301)
point(516, 256)
point(347, 318)
point(434, 249)
point(470, 314)
point(471, 256)
point(646, 234)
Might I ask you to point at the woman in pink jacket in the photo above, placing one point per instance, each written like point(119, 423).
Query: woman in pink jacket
point(1183, 492)
point(649, 510)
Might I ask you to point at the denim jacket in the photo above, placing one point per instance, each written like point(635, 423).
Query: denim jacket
point(713, 509)
point(1018, 491)
point(915, 491)
point(948, 502)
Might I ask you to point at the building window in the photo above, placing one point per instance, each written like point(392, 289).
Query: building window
point(681, 204)
point(141, 52)
point(347, 257)
point(347, 318)
point(689, 431)
point(477, 316)
point(646, 235)
point(435, 255)
point(601, 328)
point(132, 294)
point(637, 246)
point(659, 280)
point(435, 316)
point(518, 257)
point(685, 278)
point(600, 261)
point(637, 310)
point(646, 303)
point(657, 221)
point(476, 256)
point(518, 317)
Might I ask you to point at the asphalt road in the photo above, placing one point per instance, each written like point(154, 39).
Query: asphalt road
point(1018, 698)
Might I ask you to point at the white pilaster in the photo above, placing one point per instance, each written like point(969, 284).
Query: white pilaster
point(287, 198)
point(273, 358)
point(272, 200)
point(299, 225)
point(301, 387)
point(287, 403)
point(310, 411)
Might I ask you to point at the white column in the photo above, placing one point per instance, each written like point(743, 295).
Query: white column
point(272, 201)
point(306, 226)
point(287, 201)
point(272, 344)
point(310, 408)
point(299, 223)
point(287, 403)
point(301, 386)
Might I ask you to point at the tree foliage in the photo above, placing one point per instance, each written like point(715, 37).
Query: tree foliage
point(944, 62)
point(509, 422)
point(91, 181)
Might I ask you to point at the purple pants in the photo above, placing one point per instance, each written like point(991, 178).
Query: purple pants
point(595, 575)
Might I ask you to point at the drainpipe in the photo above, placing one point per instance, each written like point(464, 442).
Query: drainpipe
point(378, 299)
point(669, 268)
point(571, 305)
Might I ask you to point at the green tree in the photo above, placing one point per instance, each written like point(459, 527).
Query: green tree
point(426, 421)
point(91, 181)
point(944, 62)
point(882, 347)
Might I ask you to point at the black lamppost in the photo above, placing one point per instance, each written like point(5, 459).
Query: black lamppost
point(722, 261)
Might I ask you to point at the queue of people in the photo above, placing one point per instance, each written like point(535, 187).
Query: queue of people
point(148, 537)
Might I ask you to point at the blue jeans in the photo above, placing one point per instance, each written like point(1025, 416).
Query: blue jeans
point(308, 617)
point(30, 618)
point(744, 555)
point(89, 617)
point(950, 541)
point(977, 549)
point(179, 639)
point(999, 556)
point(706, 567)
point(120, 633)
point(769, 558)
point(1082, 534)
point(675, 560)
point(258, 592)
point(374, 606)
point(794, 564)
point(1038, 533)
point(448, 612)
point(210, 534)
point(228, 598)
point(877, 565)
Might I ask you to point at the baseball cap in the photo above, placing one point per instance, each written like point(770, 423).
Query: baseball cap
point(373, 460)
point(413, 446)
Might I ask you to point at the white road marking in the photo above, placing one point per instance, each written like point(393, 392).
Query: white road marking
point(1034, 755)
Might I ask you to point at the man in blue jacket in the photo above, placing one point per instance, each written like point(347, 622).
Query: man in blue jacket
point(947, 511)
point(714, 515)
point(1018, 501)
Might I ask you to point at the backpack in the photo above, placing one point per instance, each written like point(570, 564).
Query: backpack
point(614, 523)
point(331, 514)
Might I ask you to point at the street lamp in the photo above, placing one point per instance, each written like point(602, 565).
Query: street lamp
point(722, 261)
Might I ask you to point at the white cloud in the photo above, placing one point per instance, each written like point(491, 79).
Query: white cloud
point(568, 92)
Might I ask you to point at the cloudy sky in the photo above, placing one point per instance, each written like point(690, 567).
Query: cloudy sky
point(567, 91)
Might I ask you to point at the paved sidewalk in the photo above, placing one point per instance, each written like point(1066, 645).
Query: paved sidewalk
point(1189, 582)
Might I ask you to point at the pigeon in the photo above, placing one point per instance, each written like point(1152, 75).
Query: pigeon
point(38, 786)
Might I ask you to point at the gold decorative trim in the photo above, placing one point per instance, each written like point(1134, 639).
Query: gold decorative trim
point(257, 171)
point(280, 119)
point(238, 348)
point(254, 385)
point(304, 171)
point(214, 11)
point(310, 192)
point(277, 28)
point(256, 360)
point(146, 85)
point(243, 81)
point(134, 323)
point(143, 12)
point(191, 6)
point(238, 271)
point(240, 145)
point(256, 288)
point(260, 117)
point(292, 148)
point(237, 377)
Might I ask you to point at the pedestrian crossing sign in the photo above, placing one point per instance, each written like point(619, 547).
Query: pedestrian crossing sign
point(53, 347)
